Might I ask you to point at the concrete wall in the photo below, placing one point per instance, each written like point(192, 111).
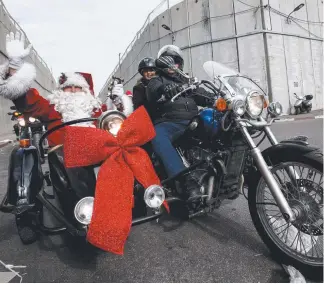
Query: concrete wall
point(284, 58)
point(44, 82)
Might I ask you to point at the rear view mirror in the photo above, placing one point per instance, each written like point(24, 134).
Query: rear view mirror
point(13, 108)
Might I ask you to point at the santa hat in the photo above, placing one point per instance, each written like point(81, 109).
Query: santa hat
point(79, 79)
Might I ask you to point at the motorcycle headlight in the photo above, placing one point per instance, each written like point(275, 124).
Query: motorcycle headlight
point(239, 107)
point(112, 121)
point(275, 109)
point(21, 122)
point(154, 196)
point(83, 210)
point(32, 119)
point(254, 104)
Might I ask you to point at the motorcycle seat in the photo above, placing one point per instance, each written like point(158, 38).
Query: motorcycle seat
point(80, 180)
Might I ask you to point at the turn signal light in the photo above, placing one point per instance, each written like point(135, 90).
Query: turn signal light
point(221, 104)
point(24, 143)
point(265, 103)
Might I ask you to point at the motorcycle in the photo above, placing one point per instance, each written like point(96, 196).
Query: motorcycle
point(28, 131)
point(303, 104)
point(16, 116)
point(284, 182)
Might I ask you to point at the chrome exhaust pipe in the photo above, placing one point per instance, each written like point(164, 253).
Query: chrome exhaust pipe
point(210, 189)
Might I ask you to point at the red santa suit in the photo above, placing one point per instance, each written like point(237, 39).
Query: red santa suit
point(62, 106)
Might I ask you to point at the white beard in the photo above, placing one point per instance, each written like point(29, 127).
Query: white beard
point(75, 105)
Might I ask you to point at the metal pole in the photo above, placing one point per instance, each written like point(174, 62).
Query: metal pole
point(266, 51)
point(236, 41)
point(189, 38)
point(119, 66)
point(210, 31)
point(171, 27)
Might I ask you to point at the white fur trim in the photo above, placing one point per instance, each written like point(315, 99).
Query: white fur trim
point(3, 70)
point(18, 84)
point(75, 79)
point(128, 105)
point(109, 104)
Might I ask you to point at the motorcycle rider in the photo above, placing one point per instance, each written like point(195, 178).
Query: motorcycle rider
point(147, 69)
point(171, 119)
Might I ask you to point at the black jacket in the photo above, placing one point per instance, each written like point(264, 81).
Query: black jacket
point(183, 108)
point(139, 93)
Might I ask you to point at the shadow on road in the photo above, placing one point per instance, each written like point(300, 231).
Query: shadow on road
point(226, 230)
point(73, 252)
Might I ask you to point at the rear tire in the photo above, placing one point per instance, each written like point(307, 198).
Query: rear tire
point(314, 160)
point(297, 111)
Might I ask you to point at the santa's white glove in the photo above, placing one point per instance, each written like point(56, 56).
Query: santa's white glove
point(15, 46)
point(118, 90)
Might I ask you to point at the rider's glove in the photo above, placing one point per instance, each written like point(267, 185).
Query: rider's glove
point(170, 90)
point(16, 50)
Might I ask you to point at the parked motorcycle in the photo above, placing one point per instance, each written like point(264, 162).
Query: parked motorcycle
point(284, 182)
point(303, 104)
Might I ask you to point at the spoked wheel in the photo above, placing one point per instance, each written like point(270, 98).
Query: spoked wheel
point(298, 243)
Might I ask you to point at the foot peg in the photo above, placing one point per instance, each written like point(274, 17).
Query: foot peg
point(20, 209)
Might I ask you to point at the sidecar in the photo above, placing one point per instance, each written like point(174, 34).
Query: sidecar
point(61, 199)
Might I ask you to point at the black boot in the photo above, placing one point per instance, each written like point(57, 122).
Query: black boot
point(192, 188)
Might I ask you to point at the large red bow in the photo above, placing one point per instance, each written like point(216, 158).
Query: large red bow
point(123, 160)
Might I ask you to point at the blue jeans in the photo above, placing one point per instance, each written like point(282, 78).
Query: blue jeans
point(163, 147)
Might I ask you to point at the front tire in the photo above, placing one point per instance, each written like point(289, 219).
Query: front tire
point(26, 228)
point(36, 139)
point(308, 265)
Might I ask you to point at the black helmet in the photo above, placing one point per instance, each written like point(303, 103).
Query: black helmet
point(147, 62)
point(173, 51)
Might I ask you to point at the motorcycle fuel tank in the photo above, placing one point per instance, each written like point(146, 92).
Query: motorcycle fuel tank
point(210, 122)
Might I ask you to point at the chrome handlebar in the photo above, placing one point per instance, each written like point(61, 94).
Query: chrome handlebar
point(190, 88)
point(257, 124)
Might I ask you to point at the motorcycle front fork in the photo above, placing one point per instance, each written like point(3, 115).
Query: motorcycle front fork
point(283, 205)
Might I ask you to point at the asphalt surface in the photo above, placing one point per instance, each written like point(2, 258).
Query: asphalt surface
point(223, 247)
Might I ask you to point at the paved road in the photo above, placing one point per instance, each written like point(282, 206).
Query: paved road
point(223, 247)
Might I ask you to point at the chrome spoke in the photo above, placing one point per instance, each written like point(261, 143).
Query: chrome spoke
point(304, 193)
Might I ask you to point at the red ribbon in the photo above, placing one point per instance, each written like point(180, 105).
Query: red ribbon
point(123, 160)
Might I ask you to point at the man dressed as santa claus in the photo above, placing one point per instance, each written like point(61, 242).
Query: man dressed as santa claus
point(73, 99)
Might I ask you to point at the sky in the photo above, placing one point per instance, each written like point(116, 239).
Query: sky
point(81, 35)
